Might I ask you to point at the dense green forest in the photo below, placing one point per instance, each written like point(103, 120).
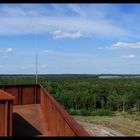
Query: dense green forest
point(88, 92)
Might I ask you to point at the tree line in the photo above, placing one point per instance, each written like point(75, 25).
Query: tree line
point(88, 93)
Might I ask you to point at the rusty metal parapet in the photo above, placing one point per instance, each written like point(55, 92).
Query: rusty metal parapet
point(58, 121)
point(6, 108)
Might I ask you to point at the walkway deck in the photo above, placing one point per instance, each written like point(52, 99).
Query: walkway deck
point(28, 121)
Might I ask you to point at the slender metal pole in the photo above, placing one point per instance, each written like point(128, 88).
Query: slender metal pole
point(36, 67)
point(36, 61)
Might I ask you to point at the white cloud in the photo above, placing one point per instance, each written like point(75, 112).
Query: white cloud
point(131, 56)
point(125, 45)
point(22, 20)
point(58, 34)
point(9, 50)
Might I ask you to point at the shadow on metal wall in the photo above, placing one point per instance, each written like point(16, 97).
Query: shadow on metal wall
point(23, 128)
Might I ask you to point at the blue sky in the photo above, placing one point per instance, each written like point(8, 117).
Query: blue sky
point(70, 38)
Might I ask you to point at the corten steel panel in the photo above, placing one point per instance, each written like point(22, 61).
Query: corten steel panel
point(66, 124)
point(57, 125)
point(61, 126)
point(28, 95)
point(48, 115)
point(46, 111)
point(2, 118)
point(10, 117)
point(42, 97)
point(6, 103)
point(68, 131)
point(52, 119)
point(29, 121)
point(37, 94)
point(6, 118)
point(15, 92)
point(6, 96)
point(45, 108)
point(54, 122)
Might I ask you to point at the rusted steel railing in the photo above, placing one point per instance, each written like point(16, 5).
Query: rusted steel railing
point(25, 94)
point(6, 109)
point(58, 121)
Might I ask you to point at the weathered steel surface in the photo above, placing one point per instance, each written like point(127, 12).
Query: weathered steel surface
point(15, 92)
point(37, 94)
point(6, 106)
point(2, 117)
point(5, 96)
point(28, 95)
point(25, 94)
point(56, 120)
point(10, 117)
point(28, 121)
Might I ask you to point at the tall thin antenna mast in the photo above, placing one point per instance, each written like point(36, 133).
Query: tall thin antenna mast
point(36, 67)
point(36, 60)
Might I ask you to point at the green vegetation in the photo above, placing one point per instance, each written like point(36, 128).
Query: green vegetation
point(98, 112)
point(88, 95)
point(103, 112)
